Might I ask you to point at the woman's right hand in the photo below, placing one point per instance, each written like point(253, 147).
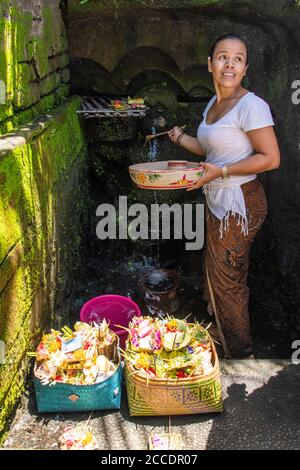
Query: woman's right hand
point(175, 133)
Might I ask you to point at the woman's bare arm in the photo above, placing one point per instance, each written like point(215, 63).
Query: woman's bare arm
point(191, 144)
point(266, 158)
point(188, 142)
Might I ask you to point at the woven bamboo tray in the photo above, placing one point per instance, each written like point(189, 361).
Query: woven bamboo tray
point(161, 397)
point(168, 175)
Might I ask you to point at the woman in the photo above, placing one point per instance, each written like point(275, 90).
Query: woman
point(238, 139)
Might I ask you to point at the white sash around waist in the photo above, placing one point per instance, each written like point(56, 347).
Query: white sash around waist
point(225, 198)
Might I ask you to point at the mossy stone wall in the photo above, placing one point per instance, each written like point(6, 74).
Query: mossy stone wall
point(42, 211)
point(43, 184)
point(34, 61)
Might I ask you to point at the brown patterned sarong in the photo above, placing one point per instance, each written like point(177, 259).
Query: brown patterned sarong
point(227, 261)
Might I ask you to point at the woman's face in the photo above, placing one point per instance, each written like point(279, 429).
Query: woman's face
point(228, 65)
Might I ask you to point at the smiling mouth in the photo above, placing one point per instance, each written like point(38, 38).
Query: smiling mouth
point(228, 74)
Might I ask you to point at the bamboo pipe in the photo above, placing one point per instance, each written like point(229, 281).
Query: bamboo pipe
point(153, 136)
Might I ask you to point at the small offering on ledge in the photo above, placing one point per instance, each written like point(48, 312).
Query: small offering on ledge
point(127, 104)
point(136, 103)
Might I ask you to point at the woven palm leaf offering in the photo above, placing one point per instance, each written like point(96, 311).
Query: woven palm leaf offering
point(165, 441)
point(171, 368)
point(77, 439)
point(72, 356)
point(78, 370)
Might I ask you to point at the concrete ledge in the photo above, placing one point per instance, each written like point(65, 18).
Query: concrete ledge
point(25, 133)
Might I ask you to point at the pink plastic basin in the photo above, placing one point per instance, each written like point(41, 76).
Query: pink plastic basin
point(116, 309)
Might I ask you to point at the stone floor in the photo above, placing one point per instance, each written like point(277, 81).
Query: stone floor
point(261, 397)
point(261, 411)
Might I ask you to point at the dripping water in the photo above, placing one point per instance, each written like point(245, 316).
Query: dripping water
point(153, 147)
point(157, 241)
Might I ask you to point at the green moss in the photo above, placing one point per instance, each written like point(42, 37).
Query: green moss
point(24, 62)
point(12, 373)
point(39, 193)
point(39, 47)
point(15, 301)
point(42, 106)
point(7, 62)
point(26, 93)
point(16, 32)
point(14, 392)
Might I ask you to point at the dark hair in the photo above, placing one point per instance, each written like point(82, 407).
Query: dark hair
point(228, 36)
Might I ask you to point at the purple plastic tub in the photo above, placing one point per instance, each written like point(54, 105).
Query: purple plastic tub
point(116, 309)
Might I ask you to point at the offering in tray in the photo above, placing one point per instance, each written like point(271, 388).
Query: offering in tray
point(76, 439)
point(87, 355)
point(127, 104)
point(168, 348)
point(136, 103)
point(120, 105)
point(165, 441)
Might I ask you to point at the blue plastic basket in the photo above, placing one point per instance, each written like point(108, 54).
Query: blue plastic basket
point(68, 397)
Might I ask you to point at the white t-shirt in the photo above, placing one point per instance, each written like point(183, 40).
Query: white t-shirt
point(226, 142)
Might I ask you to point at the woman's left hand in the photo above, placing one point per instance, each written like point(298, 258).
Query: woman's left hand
point(210, 173)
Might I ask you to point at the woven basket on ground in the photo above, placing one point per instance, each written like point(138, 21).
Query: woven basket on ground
point(193, 395)
point(59, 397)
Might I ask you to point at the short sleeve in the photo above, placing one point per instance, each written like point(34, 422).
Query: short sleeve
point(255, 114)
